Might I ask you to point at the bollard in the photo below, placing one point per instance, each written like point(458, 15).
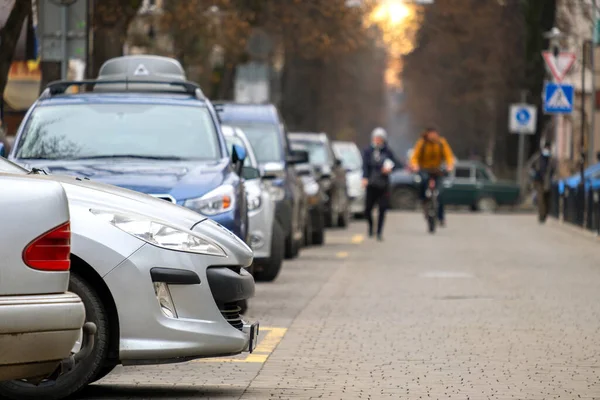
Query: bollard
point(596, 201)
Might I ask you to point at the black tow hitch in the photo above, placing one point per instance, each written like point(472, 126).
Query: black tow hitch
point(87, 345)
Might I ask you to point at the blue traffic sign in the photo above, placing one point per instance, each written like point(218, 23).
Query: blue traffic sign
point(558, 98)
point(523, 116)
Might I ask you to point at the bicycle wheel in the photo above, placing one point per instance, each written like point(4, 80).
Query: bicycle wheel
point(431, 216)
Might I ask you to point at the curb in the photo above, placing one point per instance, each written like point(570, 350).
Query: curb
point(573, 228)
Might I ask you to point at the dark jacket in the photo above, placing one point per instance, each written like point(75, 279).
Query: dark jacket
point(544, 168)
point(373, 160)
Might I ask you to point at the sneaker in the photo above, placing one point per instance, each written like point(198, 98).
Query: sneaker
point(379, 238)
point(443, 223)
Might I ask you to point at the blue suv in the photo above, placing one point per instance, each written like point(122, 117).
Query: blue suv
point(142, 127)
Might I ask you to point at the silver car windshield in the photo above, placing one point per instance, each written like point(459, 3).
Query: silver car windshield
point(350, 156)
point(88, 131)
point(317, 151)
point(265, 141)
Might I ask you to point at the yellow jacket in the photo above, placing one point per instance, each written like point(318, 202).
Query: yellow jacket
point(431, 155)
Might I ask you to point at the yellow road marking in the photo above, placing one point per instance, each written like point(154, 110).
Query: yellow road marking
point(261, 352)
point(342, 254)
point(357, 239)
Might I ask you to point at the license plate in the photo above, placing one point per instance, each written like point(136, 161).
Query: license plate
point(253, 337)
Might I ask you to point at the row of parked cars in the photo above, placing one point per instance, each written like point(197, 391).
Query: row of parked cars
point(140, 215)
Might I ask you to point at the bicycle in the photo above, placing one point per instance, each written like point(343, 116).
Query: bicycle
point(430, 205)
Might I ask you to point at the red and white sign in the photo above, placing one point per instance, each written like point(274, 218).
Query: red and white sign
point(559, 65)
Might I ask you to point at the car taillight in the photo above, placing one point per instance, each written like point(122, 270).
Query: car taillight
point(50, 251)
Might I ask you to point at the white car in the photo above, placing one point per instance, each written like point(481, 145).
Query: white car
point(266, 235)
point(160, 282)
point(352, 161)
point(39, 320)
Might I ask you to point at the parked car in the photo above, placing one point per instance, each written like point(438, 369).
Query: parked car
point(314, 231)
point(159, 136)
point(331, 175)
point(471, 184)
point(161, 283)
point(40, 321)
point(351, 157)
point(264, 128)
point(266, 234)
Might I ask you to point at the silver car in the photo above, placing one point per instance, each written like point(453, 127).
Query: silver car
point(266, 235)
point(161, 283)
point(39, 320)
point(352, 161)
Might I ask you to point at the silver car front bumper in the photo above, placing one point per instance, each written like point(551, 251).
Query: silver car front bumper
point(198, 327)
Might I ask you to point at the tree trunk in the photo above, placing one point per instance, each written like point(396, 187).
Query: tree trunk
point(9, 36)
point(108, 43)
point(111, 21)
point(51, 71)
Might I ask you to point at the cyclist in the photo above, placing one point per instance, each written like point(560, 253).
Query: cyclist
point(428, 156)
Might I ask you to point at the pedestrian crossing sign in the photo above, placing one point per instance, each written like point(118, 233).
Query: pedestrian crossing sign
point(558, 98)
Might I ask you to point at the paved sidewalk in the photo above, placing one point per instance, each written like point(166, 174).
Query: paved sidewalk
point(492, 307)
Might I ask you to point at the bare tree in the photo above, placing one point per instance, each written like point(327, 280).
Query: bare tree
point(9, 36)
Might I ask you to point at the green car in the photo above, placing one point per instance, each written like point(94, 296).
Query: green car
point(471, 184)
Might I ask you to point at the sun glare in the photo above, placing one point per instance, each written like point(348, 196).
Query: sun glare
point(398, 22)
point(393, 12)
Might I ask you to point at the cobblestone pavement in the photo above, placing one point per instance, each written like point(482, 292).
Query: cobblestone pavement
point(491, 307)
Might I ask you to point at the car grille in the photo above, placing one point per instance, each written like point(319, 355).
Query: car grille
point(166, 197)
point(231, 313)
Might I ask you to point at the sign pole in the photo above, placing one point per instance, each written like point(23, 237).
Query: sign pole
point(521, 153)
point(64, 66)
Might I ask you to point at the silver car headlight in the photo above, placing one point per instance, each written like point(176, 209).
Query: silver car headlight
point(254, 201)
point(160, 234)
point(217, 201)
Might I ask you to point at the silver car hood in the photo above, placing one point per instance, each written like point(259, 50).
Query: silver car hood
point(92, 194)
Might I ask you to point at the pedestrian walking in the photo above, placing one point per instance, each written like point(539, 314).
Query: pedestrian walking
point(378, 163)
point(543, 170)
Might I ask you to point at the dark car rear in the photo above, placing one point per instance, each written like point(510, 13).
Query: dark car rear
point(331, 175)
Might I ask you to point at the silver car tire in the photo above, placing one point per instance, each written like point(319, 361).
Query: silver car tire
point(270, 268)
point(85, 371)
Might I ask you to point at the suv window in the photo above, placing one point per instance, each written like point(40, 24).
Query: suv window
point(462, 172)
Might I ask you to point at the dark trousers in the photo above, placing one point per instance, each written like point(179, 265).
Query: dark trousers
point(543, 201)
point(438, 184)
point(379, 197)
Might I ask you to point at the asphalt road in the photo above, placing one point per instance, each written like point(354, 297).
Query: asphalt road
point(491, 307)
